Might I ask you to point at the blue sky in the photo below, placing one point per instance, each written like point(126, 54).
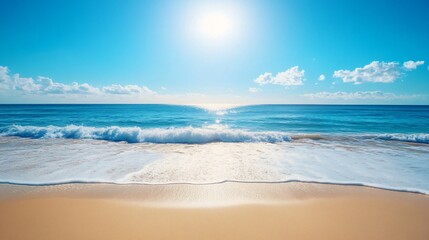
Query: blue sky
point(195, 52)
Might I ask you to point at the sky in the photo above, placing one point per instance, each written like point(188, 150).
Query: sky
point(206, 52)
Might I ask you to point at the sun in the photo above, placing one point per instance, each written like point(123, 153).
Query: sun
point(215, 25)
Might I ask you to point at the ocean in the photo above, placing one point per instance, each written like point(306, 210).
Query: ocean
point(372, 145)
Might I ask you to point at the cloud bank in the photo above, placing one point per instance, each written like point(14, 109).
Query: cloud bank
point(45, 85)
point(127, 89)
point(17, 89)
point(291, 77)
point(358, 95)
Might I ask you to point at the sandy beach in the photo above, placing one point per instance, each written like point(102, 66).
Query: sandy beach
point(220, 211)
point(214, 120)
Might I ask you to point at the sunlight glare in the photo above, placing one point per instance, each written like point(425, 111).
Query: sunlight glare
point(215, 25)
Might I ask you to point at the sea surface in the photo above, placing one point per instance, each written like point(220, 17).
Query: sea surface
point(379, 146)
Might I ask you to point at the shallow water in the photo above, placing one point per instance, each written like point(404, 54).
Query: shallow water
point(382, 146)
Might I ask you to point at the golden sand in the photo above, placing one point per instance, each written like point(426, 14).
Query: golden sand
point(222, 211)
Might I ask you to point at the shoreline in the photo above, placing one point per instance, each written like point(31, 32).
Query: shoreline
point(413, 191)
point(221, 211)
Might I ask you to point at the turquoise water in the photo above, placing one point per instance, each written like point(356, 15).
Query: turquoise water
point(382, 146)
point(125, 122)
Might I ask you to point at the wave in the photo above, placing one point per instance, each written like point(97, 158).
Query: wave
point(188, 135)
point(185, 135)
point(416, 138)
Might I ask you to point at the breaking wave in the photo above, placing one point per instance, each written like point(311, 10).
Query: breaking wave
point(189, 135)
point(186, 135)
point(417, 138)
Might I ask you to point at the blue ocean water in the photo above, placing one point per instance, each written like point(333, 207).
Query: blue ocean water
point(69, 121)
point(382, 146)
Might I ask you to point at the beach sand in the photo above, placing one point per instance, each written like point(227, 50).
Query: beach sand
point(219, 211)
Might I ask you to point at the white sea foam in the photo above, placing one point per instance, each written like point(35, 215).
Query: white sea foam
point(208, 134)
point(418, 138)
point(367, 162)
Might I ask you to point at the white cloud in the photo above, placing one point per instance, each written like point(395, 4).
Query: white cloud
point(127, 89)
point(5, 80)
point(380, 72)
point(264, 78)
point(291, 77)
point(254, 90)
point(44, 85)
point(4, 72)
point(322, 77)
point(358, 95)
point(25, 84)
point(412, 65)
